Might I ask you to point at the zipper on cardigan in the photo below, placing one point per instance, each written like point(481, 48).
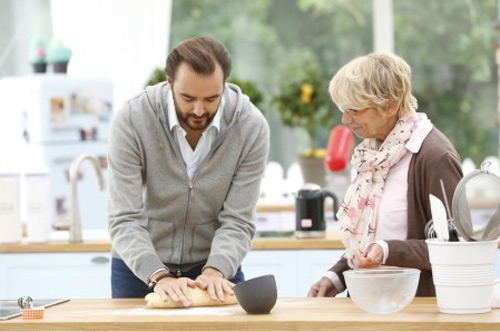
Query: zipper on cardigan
point(190, 186)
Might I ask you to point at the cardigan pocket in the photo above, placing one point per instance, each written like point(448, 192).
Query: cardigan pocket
point(201, 240)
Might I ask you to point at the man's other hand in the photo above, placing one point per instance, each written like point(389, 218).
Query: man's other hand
point(214, 283)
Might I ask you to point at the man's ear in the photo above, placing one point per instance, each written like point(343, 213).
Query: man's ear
point(170, 81)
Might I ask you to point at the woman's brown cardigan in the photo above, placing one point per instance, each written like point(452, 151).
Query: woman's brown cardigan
point(437, 159)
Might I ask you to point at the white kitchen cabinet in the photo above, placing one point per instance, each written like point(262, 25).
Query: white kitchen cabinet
point(87, 275)
point(314, 264)
point(295, 270)
point(55, 275)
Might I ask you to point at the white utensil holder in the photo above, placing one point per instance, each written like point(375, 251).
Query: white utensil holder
point(463, 274)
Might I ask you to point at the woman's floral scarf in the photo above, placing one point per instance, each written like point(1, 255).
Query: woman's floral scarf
point(372, 162)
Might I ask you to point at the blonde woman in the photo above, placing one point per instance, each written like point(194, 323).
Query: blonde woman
point(399, 163)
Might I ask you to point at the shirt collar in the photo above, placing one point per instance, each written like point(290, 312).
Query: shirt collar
point(417, 138)
point(173, 121)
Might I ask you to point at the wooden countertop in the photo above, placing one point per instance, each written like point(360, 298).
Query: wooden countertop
point(289, 314)
point(474, 204)
point(331, 241)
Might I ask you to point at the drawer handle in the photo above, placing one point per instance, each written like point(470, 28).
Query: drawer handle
point(100, 260)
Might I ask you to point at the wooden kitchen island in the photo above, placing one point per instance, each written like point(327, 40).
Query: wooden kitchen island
point(289, 314)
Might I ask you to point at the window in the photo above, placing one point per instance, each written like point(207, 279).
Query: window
point(449, 44)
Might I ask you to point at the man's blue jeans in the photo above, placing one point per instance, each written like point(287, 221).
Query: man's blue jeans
point(124, 283)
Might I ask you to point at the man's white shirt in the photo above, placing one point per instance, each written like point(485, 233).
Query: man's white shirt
point(193, 158)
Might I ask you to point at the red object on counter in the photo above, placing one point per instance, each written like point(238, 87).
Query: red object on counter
point(34, 313)
point(339, 148)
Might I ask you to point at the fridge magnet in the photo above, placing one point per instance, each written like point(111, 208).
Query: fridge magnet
point(57, 111)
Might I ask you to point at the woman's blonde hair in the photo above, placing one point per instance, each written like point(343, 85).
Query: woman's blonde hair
point(374, 80)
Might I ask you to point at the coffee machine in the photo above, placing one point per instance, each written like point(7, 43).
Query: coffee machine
point(310, 211)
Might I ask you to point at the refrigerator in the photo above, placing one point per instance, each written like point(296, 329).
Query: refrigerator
point(46, 121)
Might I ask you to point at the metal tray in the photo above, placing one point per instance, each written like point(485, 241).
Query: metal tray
point(9, 308)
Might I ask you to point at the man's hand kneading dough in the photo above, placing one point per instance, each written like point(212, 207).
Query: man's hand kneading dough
point(209, 289)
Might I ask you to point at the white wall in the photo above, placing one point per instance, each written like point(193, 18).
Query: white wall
point(118, 39)
point(20, 22)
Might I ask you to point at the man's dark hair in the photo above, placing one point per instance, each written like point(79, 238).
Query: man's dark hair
point(201, 54)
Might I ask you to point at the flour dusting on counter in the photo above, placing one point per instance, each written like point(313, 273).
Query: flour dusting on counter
point(143, 311)
point(178, 312)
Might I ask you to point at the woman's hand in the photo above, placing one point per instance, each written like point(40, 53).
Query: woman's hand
point(371, 258)
point(323, 288)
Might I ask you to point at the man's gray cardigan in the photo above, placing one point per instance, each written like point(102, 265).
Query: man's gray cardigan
point(157, 216)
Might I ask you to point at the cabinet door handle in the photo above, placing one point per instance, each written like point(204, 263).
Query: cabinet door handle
point(100, 260)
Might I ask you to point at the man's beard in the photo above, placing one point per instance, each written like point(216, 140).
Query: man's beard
point(192, 121)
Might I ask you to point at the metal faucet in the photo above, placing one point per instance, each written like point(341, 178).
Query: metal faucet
point(75, 227)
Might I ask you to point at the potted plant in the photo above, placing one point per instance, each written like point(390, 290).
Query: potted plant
point(251, 89)
point(302, 101)
point(59, 55)
point(38, 56)
point(157, 76)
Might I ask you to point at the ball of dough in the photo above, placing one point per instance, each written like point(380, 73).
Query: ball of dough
point(200, 299)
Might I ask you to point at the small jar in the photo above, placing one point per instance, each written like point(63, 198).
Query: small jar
point(10, 220)
point(37, 188)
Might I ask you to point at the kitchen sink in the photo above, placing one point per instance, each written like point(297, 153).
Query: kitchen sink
point(9, 308)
